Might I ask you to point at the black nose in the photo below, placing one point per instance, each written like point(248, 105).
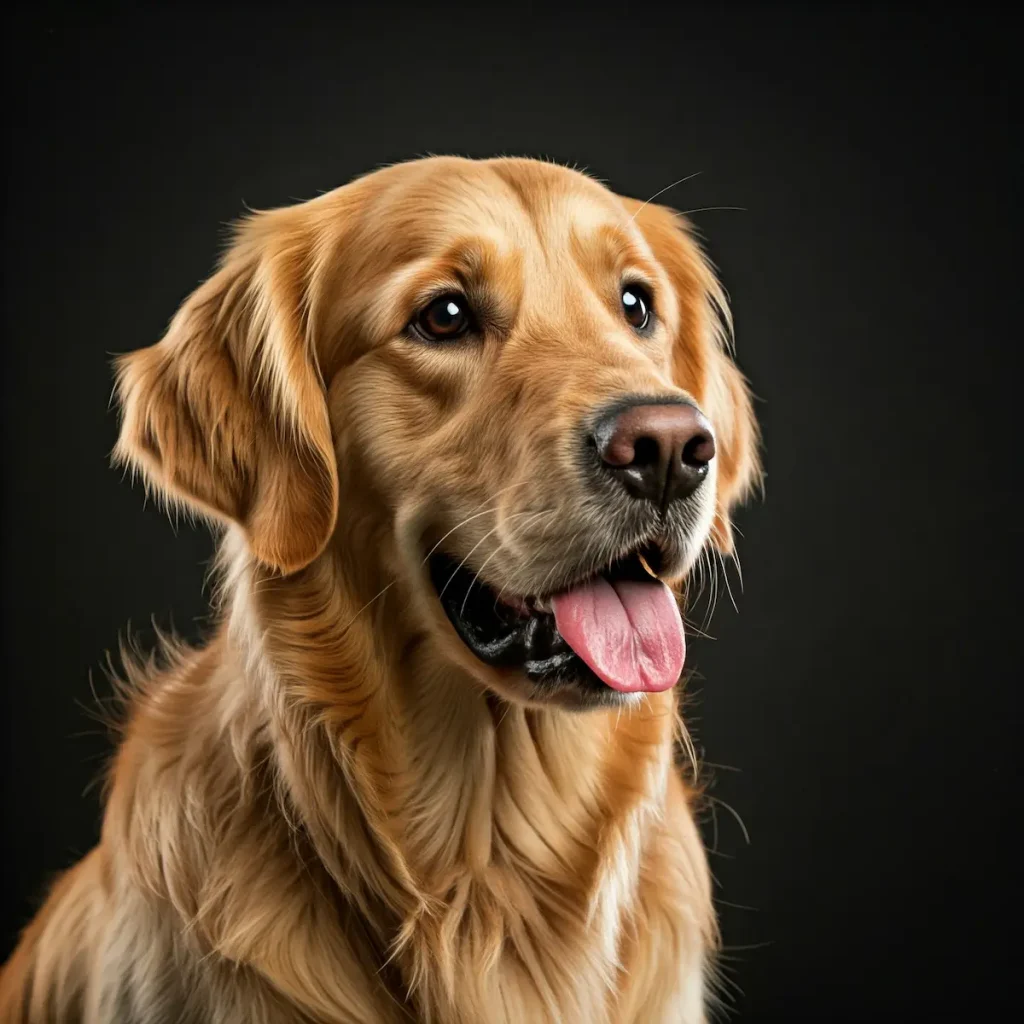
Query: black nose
point(660, 452)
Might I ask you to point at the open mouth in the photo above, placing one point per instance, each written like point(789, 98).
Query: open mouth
point(619, 628)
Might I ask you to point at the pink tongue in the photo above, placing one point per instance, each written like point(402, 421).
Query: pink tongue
point(630, 633)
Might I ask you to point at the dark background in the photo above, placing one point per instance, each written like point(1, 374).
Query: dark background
point(862, 697)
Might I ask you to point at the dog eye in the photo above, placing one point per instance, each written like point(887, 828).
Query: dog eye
point(636, 303)
point(444, 319)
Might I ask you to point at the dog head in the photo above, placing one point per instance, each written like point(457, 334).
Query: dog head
point(526, 378)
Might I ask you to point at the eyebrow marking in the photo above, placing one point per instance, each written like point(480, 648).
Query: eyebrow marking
point(610, 249)
point(476, 266)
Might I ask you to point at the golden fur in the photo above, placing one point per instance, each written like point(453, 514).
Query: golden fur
point(333, 812)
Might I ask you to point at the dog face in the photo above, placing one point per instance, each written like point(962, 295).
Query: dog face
point(523, 374)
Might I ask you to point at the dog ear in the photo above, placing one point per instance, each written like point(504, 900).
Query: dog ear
point(227, 414)
point(702, 358)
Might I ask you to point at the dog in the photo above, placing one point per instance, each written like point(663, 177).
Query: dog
point(464, 429)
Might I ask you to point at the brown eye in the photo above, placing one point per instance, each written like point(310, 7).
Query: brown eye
point(636, 304)
point(444, 319)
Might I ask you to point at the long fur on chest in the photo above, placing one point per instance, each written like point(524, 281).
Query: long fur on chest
point(306, 821)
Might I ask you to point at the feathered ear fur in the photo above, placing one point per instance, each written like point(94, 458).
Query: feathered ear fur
point(227, 413)
point(702, 358)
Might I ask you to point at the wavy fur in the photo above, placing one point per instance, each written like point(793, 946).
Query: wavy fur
point(330, 813)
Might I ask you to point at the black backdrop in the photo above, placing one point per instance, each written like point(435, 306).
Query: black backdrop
point(860, 698)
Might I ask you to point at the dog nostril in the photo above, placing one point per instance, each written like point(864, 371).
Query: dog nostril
point(646, 452)
point(698, 451)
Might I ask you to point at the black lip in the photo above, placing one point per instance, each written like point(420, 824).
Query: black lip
point(496, 634)
point(502, 638)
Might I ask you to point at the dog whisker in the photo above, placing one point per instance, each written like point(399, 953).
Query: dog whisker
point(458, 526)
point(711, 209)
point(348, 625)
point(732, 810)
point(478, 513)
point(467, 558)
point(662, 191)
point(725, 577)
point(497, 550)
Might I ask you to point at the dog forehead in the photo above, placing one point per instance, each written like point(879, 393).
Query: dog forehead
point(516, 204)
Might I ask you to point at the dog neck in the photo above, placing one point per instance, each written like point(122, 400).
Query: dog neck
point(446, 818)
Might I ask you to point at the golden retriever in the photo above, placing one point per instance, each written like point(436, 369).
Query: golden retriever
point(466, 427)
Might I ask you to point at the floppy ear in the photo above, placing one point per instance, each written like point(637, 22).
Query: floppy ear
point(702, 362)
point(227, 414)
